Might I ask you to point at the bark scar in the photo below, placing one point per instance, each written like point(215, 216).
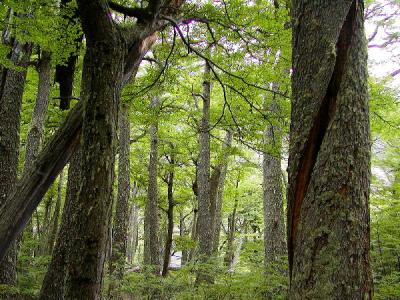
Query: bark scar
point(322, 120)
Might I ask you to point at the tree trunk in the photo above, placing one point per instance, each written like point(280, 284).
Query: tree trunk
point(34, 138)
point(120, 229)
point(223, 166)
point(101, 84)
point(11, 90)
point(203, 179)
point(274, 226)
point(329, 155)
point(56, 215)
point(133, 232)
point(170, 214)
point(53, 286)
point(230, 251)
point(151, 221)
point(18, 208)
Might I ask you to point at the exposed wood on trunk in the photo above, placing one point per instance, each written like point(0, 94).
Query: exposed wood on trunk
point(329, 157)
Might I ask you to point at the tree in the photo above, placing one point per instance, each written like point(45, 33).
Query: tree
point(329, 156)
point(152, 246)
point(274, 226)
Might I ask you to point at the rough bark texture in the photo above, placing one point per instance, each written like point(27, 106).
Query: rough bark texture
point(17, 210)
point(230, 251)
point(54, 221)
point(34, 138)
point(170, 217)
point(120, 228)
point(151, 222)
point(53, 286)
point(35, 182)
point(12, 85)
point(329, 156)
point(203, 174)
point(102, 80)
point(222, 166)
point(274, 225)
point(133, 232)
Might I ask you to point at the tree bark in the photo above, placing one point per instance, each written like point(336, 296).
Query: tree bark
point(222, 166)
point(11, 90)
point(203, 179)
point(133, 232)
point(120, 229)
point(151, 222)
point(274, 225)
point(170, 214)
point(102, 76)
point(230, 251)
point(53, 286)
point(329, 155)
point(56, 215)
point(16, 211)
point(34, 138)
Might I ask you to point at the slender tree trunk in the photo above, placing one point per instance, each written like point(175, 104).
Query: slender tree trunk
point(223, 166)
point(170, 214)
point(182, 233)
point(34, 138)
point(53, 286)
point(133, 231)
point(329, 155)
point(203, 179)
point(11, 90)
point(151, 222)
point(230, 251)
point(274, 226)
point(120, 229)
point(54, 221)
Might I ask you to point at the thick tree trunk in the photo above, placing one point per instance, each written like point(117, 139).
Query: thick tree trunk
point(101, 84)
point(11, 90)
point(16, 211)
point(151, 222)
point(274, 225)
point(120, 228)
point(329, 156)
point(170, 214)
point(53, 286)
